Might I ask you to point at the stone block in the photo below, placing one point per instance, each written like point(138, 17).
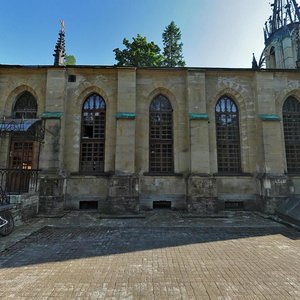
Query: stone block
point(123, 194)
point(202, 205)
point(202, 186)
point(275, 185)
point(25, 207)
point(124, 186)
point(51, 186)
point(274, 189)
point(121, 205)
point(51, 204)
point(51, 195)
point(202, 195)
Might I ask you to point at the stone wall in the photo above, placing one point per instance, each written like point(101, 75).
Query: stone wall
point(193, 93)
point(123, 194)
point(82, 188)
point(51, 196)
point(275, 189)
point(24, 207)
point(163, 188)
point(202, 195)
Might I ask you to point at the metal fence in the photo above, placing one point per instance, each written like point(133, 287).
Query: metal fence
point(4, 198)
point(18, 181)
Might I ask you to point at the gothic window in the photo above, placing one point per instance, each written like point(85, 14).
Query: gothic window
point(161, 136)
point(93, 134)
point(228, 136)
point(25, 107)
point(291, 126)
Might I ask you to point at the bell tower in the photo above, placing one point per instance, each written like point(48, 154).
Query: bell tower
point(282, 36)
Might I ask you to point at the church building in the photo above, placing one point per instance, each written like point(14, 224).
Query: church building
point(125, 139)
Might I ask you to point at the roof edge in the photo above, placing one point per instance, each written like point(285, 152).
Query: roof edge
point(3, 66)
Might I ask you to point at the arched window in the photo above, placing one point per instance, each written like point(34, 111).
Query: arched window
point(25, 107)
point(161, 136)
point(291, 126)
point(228, 136)
point(93, 134)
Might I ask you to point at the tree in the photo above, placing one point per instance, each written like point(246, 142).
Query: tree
point(172, 51)
point(70, 60)
point(139, 53)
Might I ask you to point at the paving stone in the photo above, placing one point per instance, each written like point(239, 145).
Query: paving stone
point(249, 257)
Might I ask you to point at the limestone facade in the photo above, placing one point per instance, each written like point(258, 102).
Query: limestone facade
point(126, 185)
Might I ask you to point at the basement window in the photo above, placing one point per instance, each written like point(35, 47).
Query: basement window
point(161, 204)
point(88, 205)
point(232, 205)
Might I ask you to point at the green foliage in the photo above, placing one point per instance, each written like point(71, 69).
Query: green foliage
point(139, 53)
point(172, 51)
point(70, 60)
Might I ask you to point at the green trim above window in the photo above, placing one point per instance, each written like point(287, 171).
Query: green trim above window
point(51, 115)
point(125, 115)
point(269, 117)
point(198, 116)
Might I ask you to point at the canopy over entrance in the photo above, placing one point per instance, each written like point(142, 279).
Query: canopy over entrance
point(32, 129)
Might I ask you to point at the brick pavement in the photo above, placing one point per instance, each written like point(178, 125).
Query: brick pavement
point(113, 259)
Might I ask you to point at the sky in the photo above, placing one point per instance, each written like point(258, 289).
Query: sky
point(215, 33)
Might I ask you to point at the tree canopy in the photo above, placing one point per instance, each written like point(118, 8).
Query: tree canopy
point(172, 51)
point(141, 53)
point(70, 60)
point(138, 53)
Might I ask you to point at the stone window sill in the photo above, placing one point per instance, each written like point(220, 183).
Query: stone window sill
point(163, 174)
point(91, 174)
point(233, 174)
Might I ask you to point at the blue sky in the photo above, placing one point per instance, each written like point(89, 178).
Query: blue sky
point(215, 33)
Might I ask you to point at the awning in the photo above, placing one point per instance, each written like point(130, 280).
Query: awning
point(17, 125)
point(32, 129)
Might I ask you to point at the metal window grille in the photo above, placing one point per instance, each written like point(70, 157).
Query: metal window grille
point(25, 107)
point(19, 178)
point(161, 136)
point(228, 136)
point(22, 155)
point(291, 126)
point(21, 162)
point(93, 135)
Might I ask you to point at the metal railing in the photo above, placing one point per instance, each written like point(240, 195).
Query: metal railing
point(18, 181)
point(4, 198)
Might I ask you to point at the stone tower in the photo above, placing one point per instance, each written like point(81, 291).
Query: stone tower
point(282, 36)
point(59, 51)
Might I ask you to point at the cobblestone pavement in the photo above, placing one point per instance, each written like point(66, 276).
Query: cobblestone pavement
point(165, 255)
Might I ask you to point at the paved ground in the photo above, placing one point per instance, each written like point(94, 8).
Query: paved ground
point(165, 255)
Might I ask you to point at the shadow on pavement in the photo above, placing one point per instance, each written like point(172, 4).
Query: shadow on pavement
point(53, 244)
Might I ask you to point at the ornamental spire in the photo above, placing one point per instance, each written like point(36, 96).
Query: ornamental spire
point(285, 14)
point(59, 51)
